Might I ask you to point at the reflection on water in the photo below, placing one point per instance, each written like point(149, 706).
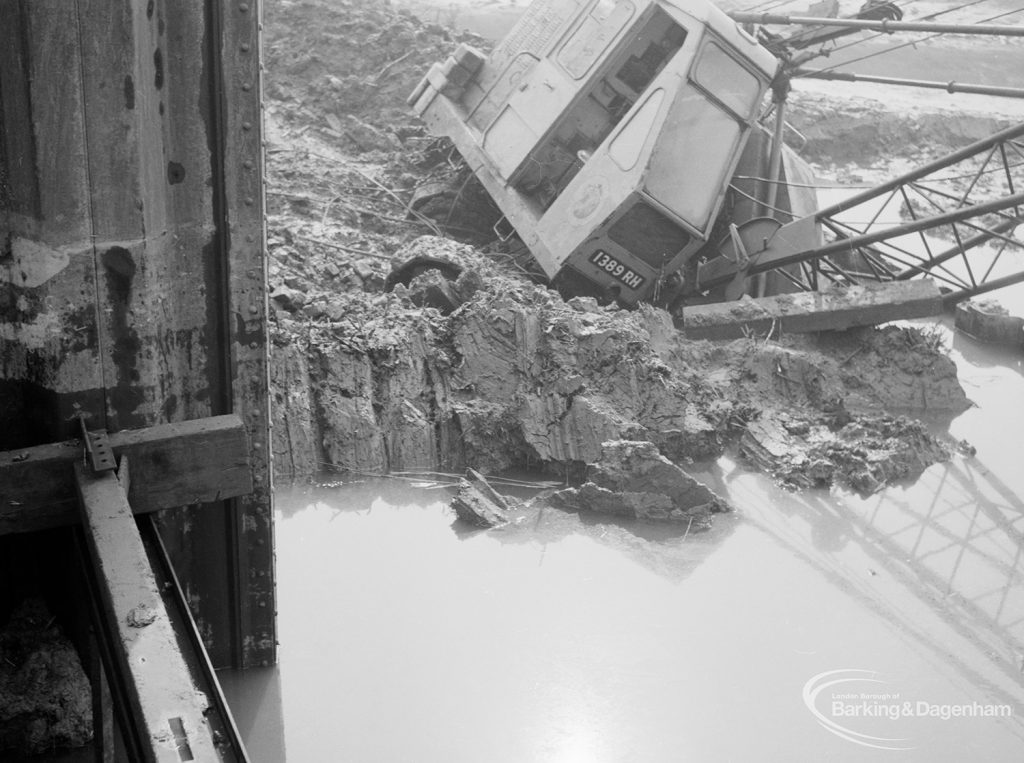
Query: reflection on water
point(406, 637)
point(255, 697)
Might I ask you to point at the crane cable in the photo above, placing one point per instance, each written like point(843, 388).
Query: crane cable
point(772, 4)
point(767, 5)
point(927, 17)
point(909, 44)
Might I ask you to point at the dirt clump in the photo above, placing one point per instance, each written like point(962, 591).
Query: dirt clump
point(477, 503)
point(864, 453)
point(45, 696)
point(632, 479)
point(872, 370)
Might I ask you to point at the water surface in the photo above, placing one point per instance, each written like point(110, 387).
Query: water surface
point(406, 637)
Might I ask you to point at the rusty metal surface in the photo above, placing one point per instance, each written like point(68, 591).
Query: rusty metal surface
point(132, 264)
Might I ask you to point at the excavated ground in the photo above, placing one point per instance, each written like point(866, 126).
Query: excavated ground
point(515, 377)
point(518, 378)
point(611, 401)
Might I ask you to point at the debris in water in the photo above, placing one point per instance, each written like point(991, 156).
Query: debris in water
point(966, 449)
point(988, 321)
point(634, 480)
point(478, 503)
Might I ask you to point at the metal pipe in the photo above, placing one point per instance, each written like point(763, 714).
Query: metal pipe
point(950, 159)
point(949, 87)
point(883, 25)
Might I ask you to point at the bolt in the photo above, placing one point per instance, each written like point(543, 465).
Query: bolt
point(243, 7)
point(246, 125)
point(246, 47)
point(246, 87)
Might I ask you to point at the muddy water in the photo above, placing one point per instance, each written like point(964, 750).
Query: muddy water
point(558, 639)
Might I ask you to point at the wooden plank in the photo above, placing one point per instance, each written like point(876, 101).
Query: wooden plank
point(834, 310)
point(171, 464)
point(167, 705)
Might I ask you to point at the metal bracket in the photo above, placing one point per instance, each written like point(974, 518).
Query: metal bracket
point(504, 236)
point(98, 452)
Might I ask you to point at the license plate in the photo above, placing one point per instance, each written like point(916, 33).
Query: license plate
point(614, 268)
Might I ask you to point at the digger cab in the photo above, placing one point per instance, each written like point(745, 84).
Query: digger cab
point(607, 132)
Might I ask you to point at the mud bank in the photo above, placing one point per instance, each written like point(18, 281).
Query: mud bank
point(840, 131)
point(374, 381)
point(350, 57)
point(518, 378)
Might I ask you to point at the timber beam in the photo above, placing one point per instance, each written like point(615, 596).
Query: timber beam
point(808, 311)
point(168, 709)
point(172, 465)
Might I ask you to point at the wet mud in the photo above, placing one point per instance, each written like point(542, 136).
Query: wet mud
point(517, 378)
point(495, 371)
